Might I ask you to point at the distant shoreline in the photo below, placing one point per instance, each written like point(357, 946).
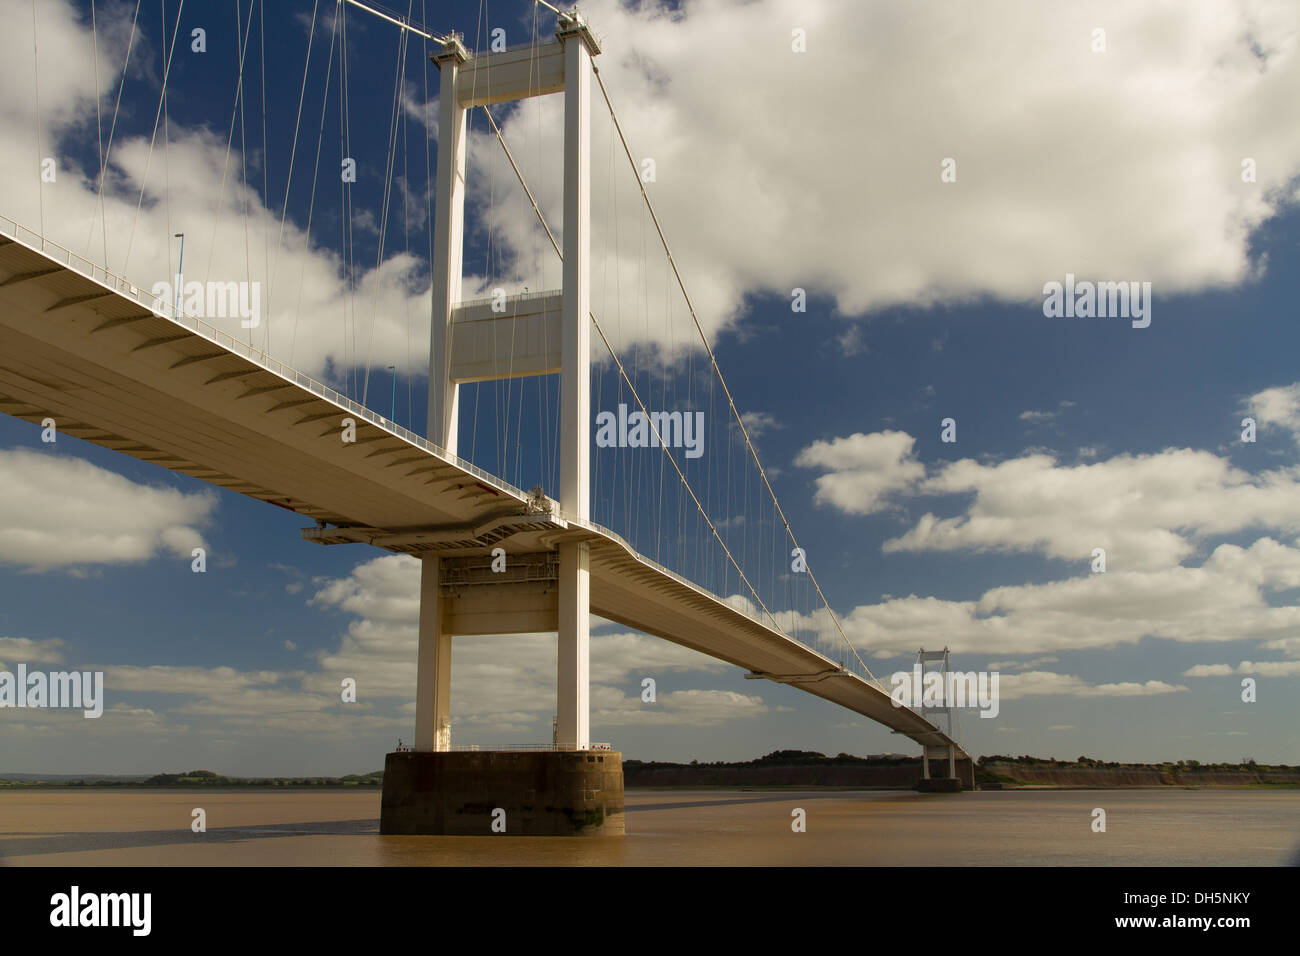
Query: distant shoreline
point(801, 769)
point(781, 770)
point(191, 780)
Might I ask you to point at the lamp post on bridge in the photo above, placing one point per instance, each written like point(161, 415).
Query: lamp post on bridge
point(392, 409)
point(180, 275)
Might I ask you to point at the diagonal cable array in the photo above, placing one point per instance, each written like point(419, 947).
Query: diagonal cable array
point(631, 387)
point(717, 371)
point(713, 529)
point(628, 380)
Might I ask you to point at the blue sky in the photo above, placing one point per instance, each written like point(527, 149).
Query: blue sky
point(924, 302)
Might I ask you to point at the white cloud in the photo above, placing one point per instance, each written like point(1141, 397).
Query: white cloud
point(1048, 684)
point(385, 589)
point(695, 708)
point(1040, 417)
point(232, 232)
point(1208, 670)
point(58, 511)
point(758, 423)
point(1019, 665)
point(1290, 646)
point(1253, 668)
point(852, 342)
point(1145, 125)
point(502, 684)
point(1147, 511)
point(25, 650)
point(1224, 599)
point(863, 471)
point(1036, 417)
point(616, 658)
point(116, 722)
point(1277, 407)
point(753, 198)
point(166, 679)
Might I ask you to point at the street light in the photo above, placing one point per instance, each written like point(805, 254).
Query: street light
point(180, 272)
point(392, 412)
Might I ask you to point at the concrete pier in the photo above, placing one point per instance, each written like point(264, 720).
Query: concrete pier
point(937, 777)
point(542, 793)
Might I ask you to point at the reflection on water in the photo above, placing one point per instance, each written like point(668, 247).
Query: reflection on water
point(680, 827)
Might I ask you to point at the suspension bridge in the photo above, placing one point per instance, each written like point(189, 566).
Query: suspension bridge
point(102, 359)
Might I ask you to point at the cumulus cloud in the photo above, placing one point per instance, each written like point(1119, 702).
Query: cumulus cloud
point(58, 511)
point(1034, 417)
point(862, 225)
point(758, 423)
point(167, 679)
point(1145, 126)
point(1225, 599)
point(863, 471)
point(118, 721)
point(25, 650)
point(695, 708)
point(384, 589)
point(1048, 684)
point(851, 342)
point(1253, 668)
point(754, 200)
point(1290, 646)
point(1152, 513)
point(503, 684)
point(232, 230)
point(1019, 665)
point(1042, 417)
point(1147, 511)
point(1277, 407)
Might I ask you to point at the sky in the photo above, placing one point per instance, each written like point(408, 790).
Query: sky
point(919, 172)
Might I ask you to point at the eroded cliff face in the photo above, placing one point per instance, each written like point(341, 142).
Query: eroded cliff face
point(1012, 774)
point(902, 776)
point(815, 770)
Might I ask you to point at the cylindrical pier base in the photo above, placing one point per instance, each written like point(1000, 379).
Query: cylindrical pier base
point(493, 792)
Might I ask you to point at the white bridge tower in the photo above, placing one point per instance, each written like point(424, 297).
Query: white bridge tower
point(463, 333)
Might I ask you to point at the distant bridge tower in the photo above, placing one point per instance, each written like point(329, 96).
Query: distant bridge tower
point(942, 715)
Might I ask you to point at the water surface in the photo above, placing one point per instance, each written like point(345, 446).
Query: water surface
point(668, 828)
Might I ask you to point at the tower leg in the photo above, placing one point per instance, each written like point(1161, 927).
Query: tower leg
point(572, 686)
point(433, 667)
point(448, 248)
point(572, 679)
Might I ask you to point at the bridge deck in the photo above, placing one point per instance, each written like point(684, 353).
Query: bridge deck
point(85, 348)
